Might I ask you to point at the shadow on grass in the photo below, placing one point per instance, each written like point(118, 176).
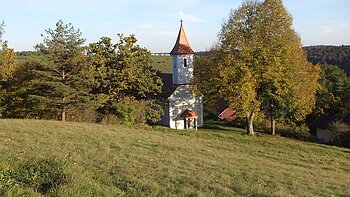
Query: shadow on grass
point(219, 126)
point(346, 151)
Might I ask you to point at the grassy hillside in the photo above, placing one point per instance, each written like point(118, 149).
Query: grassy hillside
point(101, 160)
point(162, 63)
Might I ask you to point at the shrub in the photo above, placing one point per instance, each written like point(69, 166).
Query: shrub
point(131, 111)
point(294, 132)
point(83, 115)
point(340, 134)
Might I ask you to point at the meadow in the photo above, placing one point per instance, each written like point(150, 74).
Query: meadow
point(162, 63)
point(83, 159)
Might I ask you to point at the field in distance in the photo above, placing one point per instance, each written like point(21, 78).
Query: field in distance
point(162, 63)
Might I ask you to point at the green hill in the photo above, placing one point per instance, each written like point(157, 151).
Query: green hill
point(101, 160)
point(162, 63)
point(335, 55)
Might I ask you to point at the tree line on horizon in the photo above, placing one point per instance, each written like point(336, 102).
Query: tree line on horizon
point(333, 55)
point(258, 66)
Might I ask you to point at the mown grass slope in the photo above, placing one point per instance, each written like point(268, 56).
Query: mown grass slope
point(162, 63)
point(102, 160)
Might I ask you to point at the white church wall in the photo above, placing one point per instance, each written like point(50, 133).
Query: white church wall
point(182, 74)
point(179, 101)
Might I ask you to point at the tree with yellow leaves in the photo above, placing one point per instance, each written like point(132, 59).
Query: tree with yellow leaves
point(260, 66)
point(8, 66)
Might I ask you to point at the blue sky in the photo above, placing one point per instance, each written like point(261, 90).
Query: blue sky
point(155, 22)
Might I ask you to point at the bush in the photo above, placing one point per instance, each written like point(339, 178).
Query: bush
point(340, 134)
point(83, 115)
point(294, 132)
point(131, 111)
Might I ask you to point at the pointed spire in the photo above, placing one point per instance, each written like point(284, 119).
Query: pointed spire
point(181, 46)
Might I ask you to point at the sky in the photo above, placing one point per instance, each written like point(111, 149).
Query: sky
point(155, 23)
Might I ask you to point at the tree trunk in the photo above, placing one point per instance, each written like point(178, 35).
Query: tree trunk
point(63, 110)
point(63, 114)
point(273, 126)
point(250, 127)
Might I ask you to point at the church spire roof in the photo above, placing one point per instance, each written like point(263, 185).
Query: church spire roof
point(181, 46)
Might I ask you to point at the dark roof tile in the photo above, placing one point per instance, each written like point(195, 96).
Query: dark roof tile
point(168, 86)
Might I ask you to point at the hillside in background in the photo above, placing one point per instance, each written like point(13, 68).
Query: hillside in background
point(162, 63)
point(98, 160)
point(24, 56)
point(335, 55)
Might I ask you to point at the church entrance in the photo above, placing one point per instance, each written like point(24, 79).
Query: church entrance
point(190, 119)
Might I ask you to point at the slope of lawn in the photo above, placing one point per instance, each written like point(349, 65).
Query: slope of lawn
point(116, 160)
point(162, 63)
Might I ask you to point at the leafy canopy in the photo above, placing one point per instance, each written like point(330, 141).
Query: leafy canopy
point(123, 74)
point(259, 65)
point(334, 95)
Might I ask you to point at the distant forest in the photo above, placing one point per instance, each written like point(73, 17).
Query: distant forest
point(335, 55)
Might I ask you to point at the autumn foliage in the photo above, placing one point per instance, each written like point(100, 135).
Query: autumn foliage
point(259, 65)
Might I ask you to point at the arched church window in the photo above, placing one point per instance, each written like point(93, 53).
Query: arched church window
point(185, 62)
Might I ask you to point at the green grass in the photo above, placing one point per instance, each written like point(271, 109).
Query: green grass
point(162, 63)
point(102, 160)
point(36, 58)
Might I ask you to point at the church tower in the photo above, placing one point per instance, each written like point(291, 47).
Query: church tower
point(184, 109)
point(182, 56)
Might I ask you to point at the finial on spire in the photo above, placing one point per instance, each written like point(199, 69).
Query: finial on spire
point(182, 14)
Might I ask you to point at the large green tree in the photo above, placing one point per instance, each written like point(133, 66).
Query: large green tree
point(123, 73)
point(259, 65)
point(334, 95)
point(286, 71)
point(61, 83)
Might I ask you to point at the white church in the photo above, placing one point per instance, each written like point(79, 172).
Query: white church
point(184, 110)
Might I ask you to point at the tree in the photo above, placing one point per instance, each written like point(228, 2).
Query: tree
point(334, 95)
point(18, 103)
point(60, 84)
point(289, 82)
point(204, 70)
point(260, 66)
point(7, 62)
point(8, 65)
point(123, 73)
point(334, 55)
point(340, 134)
